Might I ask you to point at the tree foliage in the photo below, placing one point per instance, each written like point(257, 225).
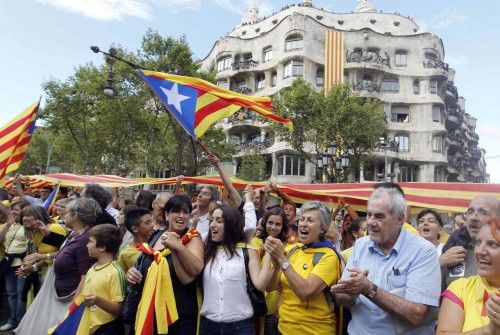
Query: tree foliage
point(253, 168)
point(340, 115)
point(93, 133)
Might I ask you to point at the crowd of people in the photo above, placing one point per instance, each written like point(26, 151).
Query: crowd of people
point(204, 263)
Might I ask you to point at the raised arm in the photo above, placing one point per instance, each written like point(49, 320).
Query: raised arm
point(234, 196)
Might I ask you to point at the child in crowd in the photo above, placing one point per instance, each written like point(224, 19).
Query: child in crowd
point(139, 223)
point(104, 287)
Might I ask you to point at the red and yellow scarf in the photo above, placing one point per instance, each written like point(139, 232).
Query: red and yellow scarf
point(158, 298)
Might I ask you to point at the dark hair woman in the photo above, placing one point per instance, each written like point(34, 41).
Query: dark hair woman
point(226, 304)
point(274, 223)
point(144, 199)
point(430, 226)
point(177, 252)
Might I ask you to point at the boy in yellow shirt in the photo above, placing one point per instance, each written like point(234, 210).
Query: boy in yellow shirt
point(104, 287)
point(139, 223)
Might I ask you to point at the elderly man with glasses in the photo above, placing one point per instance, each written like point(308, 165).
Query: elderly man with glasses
point(457, 260)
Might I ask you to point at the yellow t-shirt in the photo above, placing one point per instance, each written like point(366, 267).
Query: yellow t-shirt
point(43, 248)
point(273, 297)
point(409, 228)
point(346, 254)
point(468, 293)
point(127, 257)
point(314, 316)
point(108, 282)
point(444, 237)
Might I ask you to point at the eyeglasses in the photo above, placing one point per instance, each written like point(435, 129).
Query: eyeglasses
point(480, 212)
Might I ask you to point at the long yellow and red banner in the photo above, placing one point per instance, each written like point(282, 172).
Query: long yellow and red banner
point(447, 197)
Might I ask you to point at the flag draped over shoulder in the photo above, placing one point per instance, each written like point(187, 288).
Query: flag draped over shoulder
point(197, 104)
point(15, 137)
point(76, 321)
point(158, 301)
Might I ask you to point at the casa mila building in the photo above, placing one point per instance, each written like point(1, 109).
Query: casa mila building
point(385, 56)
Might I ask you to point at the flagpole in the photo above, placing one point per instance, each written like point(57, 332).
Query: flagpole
point(203, 147)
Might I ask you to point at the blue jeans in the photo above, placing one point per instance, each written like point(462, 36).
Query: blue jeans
point(14, 287)
point(243, 327)
point(271, 325)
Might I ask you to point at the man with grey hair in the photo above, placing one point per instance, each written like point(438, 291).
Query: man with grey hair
point(393, 277)
point(458, 260)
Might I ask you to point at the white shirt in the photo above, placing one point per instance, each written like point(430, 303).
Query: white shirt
point(225, 297)
point(202, 226)
point(113, 212)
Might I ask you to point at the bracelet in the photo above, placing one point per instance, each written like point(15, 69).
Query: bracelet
point(35, 267)
point(49, 257)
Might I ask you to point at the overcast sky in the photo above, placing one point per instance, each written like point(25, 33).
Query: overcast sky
point(44, 39)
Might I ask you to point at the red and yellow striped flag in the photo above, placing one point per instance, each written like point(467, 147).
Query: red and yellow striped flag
point(15, 137)
point(334, 58)
point(198, 104)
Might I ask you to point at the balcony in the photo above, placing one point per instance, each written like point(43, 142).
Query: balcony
point(454, 118)
point(244, 65)
point(452, 90)
point(454, 168)
point(476, 154)
point(242, 115)
point(453, 139)
point(366, 86)
point(430, 63)
point(255, 144)
point(371, 57)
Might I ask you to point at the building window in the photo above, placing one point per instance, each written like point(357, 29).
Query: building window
point(416, 86)
point(235, 139)
point(400, 114)
point(224, 83)
point(390, 84)
point(294, 42)
point(268, 54)
point(260, 82)
point(367, 81)
point(403, 142)
point(294, 68)
point(223, 63)
point(320, 77)
point(437, 143)
point(400, 59)
point(274, 79)
point(437, 115)
point(439, 173)
point(372, 54)
point(291, 166)
point(408, 173)
point(431, 55)
point(433, 86)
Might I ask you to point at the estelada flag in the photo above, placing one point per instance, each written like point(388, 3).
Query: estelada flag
point(198, 104)
point(76, 321)
point(15, 137)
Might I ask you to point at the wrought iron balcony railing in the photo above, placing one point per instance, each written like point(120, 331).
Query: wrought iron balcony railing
point(366, 56)
point(430, 63)
point(244, 64)
point(366, 86)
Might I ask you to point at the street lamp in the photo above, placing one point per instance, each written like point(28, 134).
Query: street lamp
point(387, 144)
point(326, 159)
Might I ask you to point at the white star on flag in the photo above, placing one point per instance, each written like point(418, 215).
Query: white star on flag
point(174, 98)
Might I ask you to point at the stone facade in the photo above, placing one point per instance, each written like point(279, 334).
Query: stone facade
point(386, 57)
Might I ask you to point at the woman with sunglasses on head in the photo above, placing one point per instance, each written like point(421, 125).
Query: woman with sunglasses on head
point(227, 308)
point(275, 224)
point(430, 226)
point(177, 252)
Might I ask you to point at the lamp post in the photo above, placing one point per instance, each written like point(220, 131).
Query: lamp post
point(387, 144)
point(326, 159)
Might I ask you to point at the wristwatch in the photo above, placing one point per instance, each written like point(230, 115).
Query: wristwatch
point(371, 293)
point(285, 265)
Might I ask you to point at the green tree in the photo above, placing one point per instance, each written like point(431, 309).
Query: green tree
point(94, 133)
point(253, 168)
point(340, 115)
